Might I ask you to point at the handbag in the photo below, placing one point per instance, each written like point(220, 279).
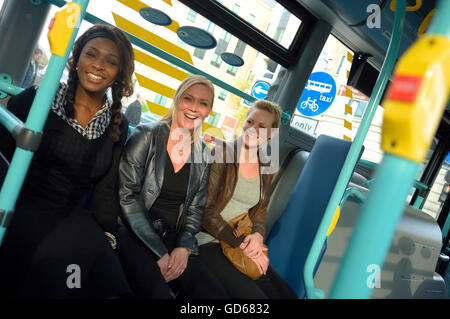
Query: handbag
point(242, 225)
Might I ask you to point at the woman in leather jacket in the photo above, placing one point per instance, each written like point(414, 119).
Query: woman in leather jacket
point(163, 190)
point(239, 186)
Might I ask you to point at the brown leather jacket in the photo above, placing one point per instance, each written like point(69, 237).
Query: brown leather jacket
point(222, 183)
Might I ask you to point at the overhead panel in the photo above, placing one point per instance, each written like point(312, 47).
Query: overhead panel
point(380, 25)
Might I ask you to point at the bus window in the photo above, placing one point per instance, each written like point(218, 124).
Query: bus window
point(439, 192)
point(436, 197)
point(257, 67)
point(282, 25)
point(348, 104)
point(157, 79)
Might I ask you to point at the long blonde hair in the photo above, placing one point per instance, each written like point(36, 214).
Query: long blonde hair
point(184, 85)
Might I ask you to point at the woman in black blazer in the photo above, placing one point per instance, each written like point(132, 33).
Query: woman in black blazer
point(57, 245)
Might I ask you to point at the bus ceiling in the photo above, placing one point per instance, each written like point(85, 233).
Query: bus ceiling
point(358, 25)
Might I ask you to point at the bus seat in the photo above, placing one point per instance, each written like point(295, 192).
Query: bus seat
point(409, 267)
point(338, 241)
point(283, 185)
point(284, 181)
point(358, 179)
point(291, 236)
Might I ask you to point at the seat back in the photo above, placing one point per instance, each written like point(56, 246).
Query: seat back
point(291, 236)
point(283, 185)
point(409, 268)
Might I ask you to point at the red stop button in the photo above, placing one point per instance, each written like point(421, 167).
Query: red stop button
point(404, 87)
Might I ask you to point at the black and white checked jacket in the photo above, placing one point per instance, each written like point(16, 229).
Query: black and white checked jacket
point(96, 126)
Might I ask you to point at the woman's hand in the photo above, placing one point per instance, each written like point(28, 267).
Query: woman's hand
point(253, 245)
point(177, 263)
point(262, 261)
point(163, 264)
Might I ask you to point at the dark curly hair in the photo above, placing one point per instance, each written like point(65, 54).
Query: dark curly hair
point(122, 87)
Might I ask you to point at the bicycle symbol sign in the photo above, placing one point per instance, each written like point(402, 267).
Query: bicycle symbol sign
point(318, 95)
point(310, 103)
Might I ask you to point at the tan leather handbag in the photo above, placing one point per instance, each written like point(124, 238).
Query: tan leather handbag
point(242, 225)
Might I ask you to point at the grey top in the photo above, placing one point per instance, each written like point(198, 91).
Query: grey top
point(245, 196)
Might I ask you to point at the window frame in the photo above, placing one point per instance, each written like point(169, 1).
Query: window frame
point(241, 29)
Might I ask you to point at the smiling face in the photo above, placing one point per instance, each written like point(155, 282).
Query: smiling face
point(257, 127)
point(98, 65)
point(193, 107)
point(37, 56)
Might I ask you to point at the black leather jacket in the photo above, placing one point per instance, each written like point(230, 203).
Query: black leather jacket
point(141, 173)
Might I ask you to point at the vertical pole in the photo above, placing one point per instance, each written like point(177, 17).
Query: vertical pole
point(355, 149)
point(374, 230)
point(405, 150)
point(36, 119)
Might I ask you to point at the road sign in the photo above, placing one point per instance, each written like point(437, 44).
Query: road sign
point(318, 95)
point(245, 102)
point(260, 89)
point(305, 124)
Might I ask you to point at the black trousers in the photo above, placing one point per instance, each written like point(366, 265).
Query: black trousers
point(238, 285)
point(147, 282)
point(57, 255)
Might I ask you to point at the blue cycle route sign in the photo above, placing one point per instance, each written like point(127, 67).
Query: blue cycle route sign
point(260, 89)
point(318, 95)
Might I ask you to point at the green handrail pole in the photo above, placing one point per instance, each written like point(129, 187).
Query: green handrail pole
point(9, 88)
point(378, 220)
point(9, 120)
point(353, 279)
point(359, 197)
point(35, 122)
point(167, 56)
point(418, 202)
point(446, 228)
point(440, 24)
point(355, 149)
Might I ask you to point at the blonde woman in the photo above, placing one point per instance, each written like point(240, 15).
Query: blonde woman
point(163, 194)
point(239, 186)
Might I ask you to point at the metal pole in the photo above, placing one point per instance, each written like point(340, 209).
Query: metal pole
point(37, 117)
point(354, 151)
point(428, 60)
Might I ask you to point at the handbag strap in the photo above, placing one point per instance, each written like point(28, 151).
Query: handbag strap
point(242, 225)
